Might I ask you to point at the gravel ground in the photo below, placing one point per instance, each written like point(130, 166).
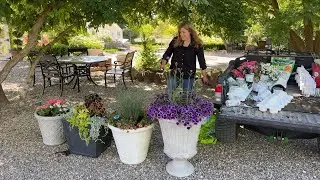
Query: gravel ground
point(24, 156)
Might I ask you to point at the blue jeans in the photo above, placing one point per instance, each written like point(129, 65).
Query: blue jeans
point(173, 83)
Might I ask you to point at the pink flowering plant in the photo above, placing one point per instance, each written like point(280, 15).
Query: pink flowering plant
point(249, 67)
point(237, 74)
point(52, 107)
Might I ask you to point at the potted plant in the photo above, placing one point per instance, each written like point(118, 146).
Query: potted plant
point(180, 115)
point(268, 72)
point(130, 128)
point(239, 76)
point(249, 68)
point(50, 117)
point(86, 128)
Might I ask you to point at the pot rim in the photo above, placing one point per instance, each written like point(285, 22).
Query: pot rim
point(131, 130)
point(47, 117)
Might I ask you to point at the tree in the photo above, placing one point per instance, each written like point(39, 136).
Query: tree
point(293, 23)
point(225, 18)
point(35, 16)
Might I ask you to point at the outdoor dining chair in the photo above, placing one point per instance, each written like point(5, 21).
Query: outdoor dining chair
point(50, 69)
point(121, 68)
point(99, 66)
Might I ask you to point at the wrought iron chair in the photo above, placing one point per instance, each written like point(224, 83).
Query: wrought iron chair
point(121, 68)
point(50, 68)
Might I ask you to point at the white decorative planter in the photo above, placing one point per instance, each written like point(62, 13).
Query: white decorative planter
point(133, 144)
point(51, 129)
point(180, 144)
point(249, 77)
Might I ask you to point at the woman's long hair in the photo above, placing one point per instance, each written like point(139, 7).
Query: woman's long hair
point(193, 34)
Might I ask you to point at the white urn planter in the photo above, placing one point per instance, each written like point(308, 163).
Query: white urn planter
point(180, 144)
point(132, 144)
point(51, 129)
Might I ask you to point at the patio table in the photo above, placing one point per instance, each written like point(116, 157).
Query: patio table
point(83, 64)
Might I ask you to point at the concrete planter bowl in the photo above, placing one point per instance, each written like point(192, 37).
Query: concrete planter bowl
point(51, 129)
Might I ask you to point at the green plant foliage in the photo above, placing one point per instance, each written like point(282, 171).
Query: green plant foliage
point(111, 50)
point(129, 110)
point(80, 118)
point(213, 46)
point(147, 59)
point(206, 135)
point(225, 18)
point(129, 103)
point(88, 120)
point(85, 41)
point(58, 49)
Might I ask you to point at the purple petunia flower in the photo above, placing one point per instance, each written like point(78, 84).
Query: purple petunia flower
point(188, 113)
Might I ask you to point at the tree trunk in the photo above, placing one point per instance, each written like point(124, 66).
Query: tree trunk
point(308, 34)
point(275, 5)
point(316, 43)
point(48, 46)
point(32, 42)
point(3, 97)
point(29, 81)
point(295, 42)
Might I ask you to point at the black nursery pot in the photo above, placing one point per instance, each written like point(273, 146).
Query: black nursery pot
point(79, 146)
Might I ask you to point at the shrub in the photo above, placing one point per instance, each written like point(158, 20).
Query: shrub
point(213, 46)
point(57, 49)
point(147, 59)
point(85, 41)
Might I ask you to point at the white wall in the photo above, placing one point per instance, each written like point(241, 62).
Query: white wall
point(114, 31)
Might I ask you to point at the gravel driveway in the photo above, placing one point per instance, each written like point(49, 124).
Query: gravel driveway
point(24, 156)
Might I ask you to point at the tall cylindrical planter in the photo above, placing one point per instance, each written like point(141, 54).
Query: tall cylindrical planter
point(180, 144)
point(51, 129)
point(132, 144)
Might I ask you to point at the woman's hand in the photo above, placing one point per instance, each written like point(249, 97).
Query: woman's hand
point(204, 77)
point(163, 64)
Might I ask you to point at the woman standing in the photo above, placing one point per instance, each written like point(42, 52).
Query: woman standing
point(185, 48)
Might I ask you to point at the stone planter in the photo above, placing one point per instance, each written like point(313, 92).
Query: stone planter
point(51, 129)
point(180, 144)
point(133, 144)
